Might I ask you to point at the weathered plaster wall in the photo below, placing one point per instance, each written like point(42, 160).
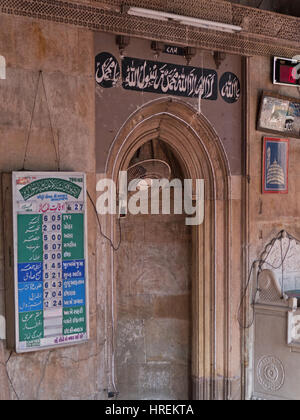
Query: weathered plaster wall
point(154, 335)
point(288, 7)
point(65, 55)
point(225, 118)
point(269, 213)
point(219, 370)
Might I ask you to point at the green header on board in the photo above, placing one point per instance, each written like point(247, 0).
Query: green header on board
point(50, 185)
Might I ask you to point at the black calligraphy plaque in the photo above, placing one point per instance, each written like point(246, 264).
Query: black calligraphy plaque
point(170, 79)
point(230, 87)
point(107, 70)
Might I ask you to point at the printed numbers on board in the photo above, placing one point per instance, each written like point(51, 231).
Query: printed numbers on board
point(75, 207)
point(52, 237)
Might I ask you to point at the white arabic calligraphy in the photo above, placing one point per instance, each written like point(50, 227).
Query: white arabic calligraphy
point(231, 89)
point(168, 79)
point(108, 71)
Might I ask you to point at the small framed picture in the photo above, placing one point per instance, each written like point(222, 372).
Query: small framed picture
point(279, 115)
point(275, 166)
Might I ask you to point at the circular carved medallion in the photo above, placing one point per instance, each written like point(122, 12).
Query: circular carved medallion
point(270, 373)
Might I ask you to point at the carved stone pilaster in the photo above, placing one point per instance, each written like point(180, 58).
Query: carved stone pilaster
point(216, 389)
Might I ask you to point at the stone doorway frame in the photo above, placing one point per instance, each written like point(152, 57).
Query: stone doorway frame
point(201, 154)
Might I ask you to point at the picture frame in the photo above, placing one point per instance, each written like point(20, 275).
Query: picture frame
point(275, 176)
point(279, 115)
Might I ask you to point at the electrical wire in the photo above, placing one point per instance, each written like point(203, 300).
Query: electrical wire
point(261, 263)
point(8, 376)
point(244, 296)
point(201, 89)
point(115, 248)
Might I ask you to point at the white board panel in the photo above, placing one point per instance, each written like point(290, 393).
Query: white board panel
point(50, 260)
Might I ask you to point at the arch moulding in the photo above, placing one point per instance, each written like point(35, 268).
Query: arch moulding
point(201, 155)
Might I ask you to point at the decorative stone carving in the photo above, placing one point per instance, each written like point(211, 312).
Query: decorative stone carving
point(286, 249)
point(282, 258)
point(269, 287)
point(270, 373)
point(264, 33)
point(201, 157)
point(264, 280)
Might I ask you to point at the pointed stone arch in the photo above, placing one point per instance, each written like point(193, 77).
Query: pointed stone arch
point(201, 155)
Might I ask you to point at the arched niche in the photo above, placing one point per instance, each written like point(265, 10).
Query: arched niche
point(201, 156)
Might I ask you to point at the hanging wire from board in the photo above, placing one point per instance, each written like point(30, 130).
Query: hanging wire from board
point(56, 149)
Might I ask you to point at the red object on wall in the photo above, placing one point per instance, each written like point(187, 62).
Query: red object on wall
point(286, 71)
point(286, 75)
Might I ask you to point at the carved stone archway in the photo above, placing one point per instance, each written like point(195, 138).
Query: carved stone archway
point(201, 155)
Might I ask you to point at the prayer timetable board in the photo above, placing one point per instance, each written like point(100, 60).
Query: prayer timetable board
point(50, 260)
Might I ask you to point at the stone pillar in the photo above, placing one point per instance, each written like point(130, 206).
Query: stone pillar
point(203, 325)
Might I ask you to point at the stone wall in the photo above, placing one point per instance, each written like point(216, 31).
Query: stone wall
point(154, 305)
point(66, 57)
point(217, 285)
point(226, 118)
point(269, 213)
point(64, 54)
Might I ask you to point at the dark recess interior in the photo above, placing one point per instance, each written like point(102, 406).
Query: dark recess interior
point(287, 7)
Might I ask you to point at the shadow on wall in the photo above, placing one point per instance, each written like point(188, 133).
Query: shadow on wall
point(286, 7)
